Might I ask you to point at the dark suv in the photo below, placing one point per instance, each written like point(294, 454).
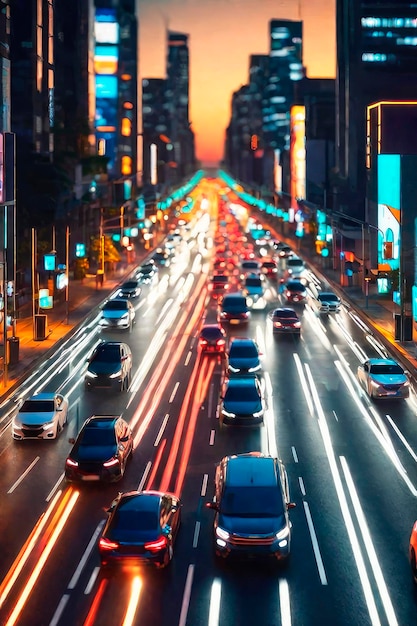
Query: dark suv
point(110, 366)
point(101, 450)
point(251, 502)
point(233, 309)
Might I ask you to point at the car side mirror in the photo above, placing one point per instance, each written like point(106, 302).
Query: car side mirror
point(71, 440)
point(212, 505)
point(291, 505)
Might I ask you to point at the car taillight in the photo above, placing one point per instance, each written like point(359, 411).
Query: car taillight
point(297, 324)
point(288, 294)
point(277, 324)
point(155, 546)
point(72, 463)
point(220, 342)
point(106, 544)
point(203, 342)
point(111, 463)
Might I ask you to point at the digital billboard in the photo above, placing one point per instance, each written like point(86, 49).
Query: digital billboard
point(297, 154)
point(389, 211)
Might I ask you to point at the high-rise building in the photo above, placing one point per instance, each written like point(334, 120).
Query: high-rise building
point(155, 125)
point(5, 121)
point(376, 60)
point(177, 98)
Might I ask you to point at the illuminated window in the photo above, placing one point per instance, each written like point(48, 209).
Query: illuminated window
point(101, 147)
point(127, 105)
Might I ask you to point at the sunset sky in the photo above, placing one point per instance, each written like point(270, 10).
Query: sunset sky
point(222, 36)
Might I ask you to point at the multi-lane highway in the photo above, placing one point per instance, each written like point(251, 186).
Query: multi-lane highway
point(351, 464)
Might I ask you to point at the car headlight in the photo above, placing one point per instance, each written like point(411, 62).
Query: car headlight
point(48, 425)
point(228, 413)
point(255, 369)
point(258, 413)
point(221, 533)
point(124, 317)
point(374, 383)
point(89, 374)
point(283, 533)
point(235, 370)
point(116, 374)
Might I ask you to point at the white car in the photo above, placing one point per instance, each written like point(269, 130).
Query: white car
point(326, 302)
point(383, 378)
point(117, 314)
point(42, 416)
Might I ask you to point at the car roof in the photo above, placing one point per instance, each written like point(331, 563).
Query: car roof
point(295, 284)
point(242, 341)
point(284, 311)
point(101, 421)
point(327, 293)
point(382, 362)
point(141, 500)
point(254, 471)
point(44, 395)
point(242, 381)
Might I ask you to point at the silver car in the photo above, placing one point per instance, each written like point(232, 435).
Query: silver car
point(117, 314)
point(42, 416)
point(383, 378)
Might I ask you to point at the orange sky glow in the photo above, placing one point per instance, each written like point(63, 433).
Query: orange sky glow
point(222, 36)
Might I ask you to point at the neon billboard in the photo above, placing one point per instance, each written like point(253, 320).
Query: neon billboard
point(297, 154)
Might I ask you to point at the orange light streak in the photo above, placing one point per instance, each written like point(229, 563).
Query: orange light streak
point(195, 411)
point(152, 394)
point(96, 603)
point(42, 560)
point(133, 601)
point(26, 551)
point(155, 466)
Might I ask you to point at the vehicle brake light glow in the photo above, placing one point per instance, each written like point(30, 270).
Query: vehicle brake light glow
point(72, 463)
point(106, 544)
point(155, 546)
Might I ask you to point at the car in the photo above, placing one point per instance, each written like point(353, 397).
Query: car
point(233, 309)
point(251, 503)
point(285, 321)
point(212, 339)
point(141, 529)
point(147, 273)
point(326, 302)
point(243, 357)
point(241, 401)
point(42, 416)
point(412, 551)
point(109, 366)
point(101, 450)
point(295, 292)
point(162, 257)
point(218, 285)
point(284, 252)
point(383, 378)
point(254, 290)
point(117, 314)
point(130, 289)
point(269, 268)
point(294, 267)
point(249, 266)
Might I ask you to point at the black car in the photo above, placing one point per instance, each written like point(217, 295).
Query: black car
point(147, 273)
point(141, 529)
point(130, 289)
point(162, 257)
point(233, 309)
point(110, 365)
point(101, 450)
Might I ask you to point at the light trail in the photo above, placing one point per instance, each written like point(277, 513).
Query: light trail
point(284, 602)
point(42, 560)
point(133, 601)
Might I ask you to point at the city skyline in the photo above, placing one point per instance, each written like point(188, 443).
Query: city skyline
point(223, 34)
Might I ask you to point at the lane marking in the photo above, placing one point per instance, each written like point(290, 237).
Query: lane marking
point(23, 476)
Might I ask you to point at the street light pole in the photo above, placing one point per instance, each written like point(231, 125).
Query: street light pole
point(67, 241)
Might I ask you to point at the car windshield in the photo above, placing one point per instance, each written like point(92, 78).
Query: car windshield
point(253, 282)
point(115, 305)
point(328, 297)
point(130, 285)
point(233, 306)
point(268, 264)
point(38, 406)
point(241, 394)
point(252, 502)
point(294, 262)
point(98, 437)
point(107, 354)
point(246, 350)
point(250, 265)
point(285, 314)
point(386, 368)
point(295, 287)
point(220, 279)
